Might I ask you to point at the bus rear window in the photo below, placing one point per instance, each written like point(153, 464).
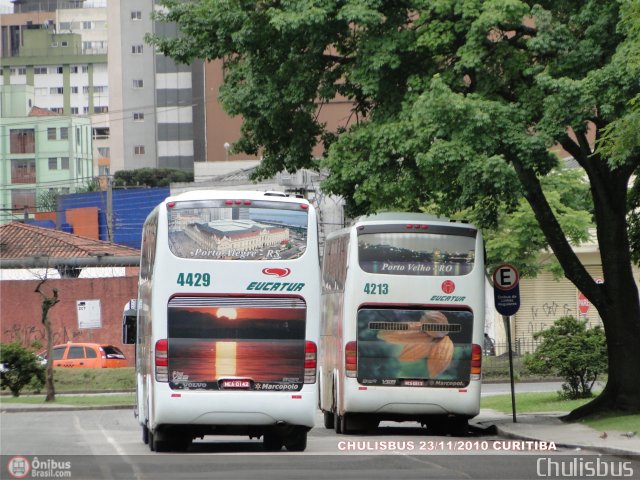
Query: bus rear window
point(257, 230)
point(409, 253)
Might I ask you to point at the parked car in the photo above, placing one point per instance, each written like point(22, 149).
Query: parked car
point(88, 355)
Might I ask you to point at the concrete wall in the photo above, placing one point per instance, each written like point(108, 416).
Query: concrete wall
point(20, 310)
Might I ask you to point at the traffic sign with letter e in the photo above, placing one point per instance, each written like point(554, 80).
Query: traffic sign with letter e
point(506, 289)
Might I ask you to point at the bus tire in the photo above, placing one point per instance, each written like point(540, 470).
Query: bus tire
point(152, 441)
point(329, 419)
point(459, 427)
point(297, 441)
point(272, 442)
point(145, 435)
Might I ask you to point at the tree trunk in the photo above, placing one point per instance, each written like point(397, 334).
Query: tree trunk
point(51, 391)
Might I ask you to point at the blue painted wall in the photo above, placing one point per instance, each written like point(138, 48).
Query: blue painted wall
point(130, 210)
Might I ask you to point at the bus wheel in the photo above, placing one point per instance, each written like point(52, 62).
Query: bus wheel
point(329, 420)
point(272, 442)
point(297, 441)
point(459, 426)
point(152, 441)
point(337, 423)
point(145, 435)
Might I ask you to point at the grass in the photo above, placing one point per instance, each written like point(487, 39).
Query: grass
point(549, 402)
point(93, 379)
point(75, 400)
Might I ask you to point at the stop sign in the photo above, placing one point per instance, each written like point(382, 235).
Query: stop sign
point(583, 304)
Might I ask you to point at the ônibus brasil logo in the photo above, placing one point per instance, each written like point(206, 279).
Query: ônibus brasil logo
point(278, 272)
point(19, 467)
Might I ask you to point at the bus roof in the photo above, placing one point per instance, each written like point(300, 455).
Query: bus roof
point(236, 194)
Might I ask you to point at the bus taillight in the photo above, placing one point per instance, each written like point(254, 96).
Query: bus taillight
point(476, 361)
point(350, 359)
point(310, 362)
point(162, 360)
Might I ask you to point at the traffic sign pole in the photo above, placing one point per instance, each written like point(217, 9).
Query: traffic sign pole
point(506, 293)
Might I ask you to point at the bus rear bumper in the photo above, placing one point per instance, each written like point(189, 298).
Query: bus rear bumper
point(235, 409)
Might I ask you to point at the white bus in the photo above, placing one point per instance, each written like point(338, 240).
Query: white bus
point(402, 323)
point(228, 319)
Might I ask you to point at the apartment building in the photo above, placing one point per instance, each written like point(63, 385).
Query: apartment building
point(41, 150)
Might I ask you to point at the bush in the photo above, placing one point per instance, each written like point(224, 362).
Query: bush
point(21, 368)
point(573, 352)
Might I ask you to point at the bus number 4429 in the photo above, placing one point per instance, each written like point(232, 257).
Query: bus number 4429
point(376, 288)
point(194, 279)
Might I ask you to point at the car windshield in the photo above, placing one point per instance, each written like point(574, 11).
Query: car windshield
point(112, 352)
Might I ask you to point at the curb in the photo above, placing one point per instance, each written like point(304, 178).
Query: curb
point(24, 409)
point(575, 446)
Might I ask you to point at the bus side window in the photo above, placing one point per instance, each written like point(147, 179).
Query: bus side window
point(129, 327)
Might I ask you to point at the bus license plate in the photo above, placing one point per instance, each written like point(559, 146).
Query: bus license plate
point(238, 384)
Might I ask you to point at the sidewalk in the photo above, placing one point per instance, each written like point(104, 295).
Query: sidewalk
point(547, 427)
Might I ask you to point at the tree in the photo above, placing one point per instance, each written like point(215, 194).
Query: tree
point(572, 351)
point(457, 105)
point(21, 367)
point(151, 177)
point(48, 302)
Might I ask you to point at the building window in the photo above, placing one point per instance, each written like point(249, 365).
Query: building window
point(136, 15)
point(22, 141)
point(23, 170)
point(74, 89)
point(56, 91)
point(74, 69)
point(79, 164)
point(18, 71)
point(138, 117)
point(100, 109)
point(59, 110)
point(78, 136)
point(64, 163)
point(87, 25)
point(65, 26)
point(59, 69)
point(138, 150)
point(104, 152)
point(85, 68)
point(64, 44)
point(64, 133)
point(51, 134)
point(85, 110)
point(103, 170)
point(39, 70)
point(53, 163)
point(54, 44)
point(100, 89)
point(138, 83)
point(22, 197)
point(74, 111)
point(136, 49)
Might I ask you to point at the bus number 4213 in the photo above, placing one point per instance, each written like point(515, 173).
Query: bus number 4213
point(194, 279)
point(376, 288)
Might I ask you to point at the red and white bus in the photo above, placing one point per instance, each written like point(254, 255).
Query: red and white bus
point(228, 319)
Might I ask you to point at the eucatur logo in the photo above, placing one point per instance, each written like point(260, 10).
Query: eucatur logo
point(448, 287)
point(278, 272)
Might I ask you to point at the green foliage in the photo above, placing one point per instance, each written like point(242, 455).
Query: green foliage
point(573, 352)
point(22, 368)
point(151, 177)
point(92, 186)
point(47, 200)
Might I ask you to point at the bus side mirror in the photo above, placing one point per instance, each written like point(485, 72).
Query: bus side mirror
point(129, 327)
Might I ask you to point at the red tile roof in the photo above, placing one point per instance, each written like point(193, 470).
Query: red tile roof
point(42, 112)
point(19, 240)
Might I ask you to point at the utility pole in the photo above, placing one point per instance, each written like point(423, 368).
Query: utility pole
point(109, 209)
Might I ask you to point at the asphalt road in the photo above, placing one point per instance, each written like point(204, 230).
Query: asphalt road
point(107, 444)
